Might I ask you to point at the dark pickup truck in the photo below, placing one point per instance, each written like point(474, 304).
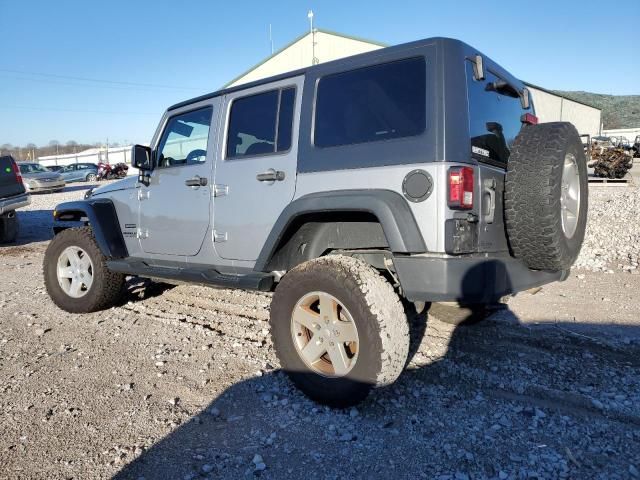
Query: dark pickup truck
point(12, 196)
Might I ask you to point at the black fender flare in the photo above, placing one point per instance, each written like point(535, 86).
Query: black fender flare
point(103, 219)
point(390, 208)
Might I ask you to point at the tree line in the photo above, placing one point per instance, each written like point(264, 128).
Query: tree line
point(31, 151)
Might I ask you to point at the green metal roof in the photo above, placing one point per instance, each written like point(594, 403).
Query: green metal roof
point(297, 39)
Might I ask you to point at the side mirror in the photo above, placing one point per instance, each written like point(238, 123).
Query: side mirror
point(141, 157)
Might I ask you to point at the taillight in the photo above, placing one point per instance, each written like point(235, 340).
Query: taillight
point(461, 187)
point(529, 119)
point(16, 170)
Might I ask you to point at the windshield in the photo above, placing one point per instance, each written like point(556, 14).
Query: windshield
point(32, 168)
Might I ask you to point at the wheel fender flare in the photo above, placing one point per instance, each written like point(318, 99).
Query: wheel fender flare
point(390, 208)
point(103, 219)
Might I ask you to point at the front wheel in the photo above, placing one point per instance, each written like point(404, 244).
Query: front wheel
point(339, 329)
point(76, 275)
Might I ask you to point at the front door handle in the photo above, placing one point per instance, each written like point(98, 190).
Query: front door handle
point(271, 175)
point(196, 181)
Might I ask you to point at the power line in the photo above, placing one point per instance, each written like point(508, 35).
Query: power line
point(73, 83)
point(97, 80)
point(68, 110)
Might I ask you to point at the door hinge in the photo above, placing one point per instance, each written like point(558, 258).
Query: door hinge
point(142, 234)
point(219, 190)
point(219, 236)
point(143, 194)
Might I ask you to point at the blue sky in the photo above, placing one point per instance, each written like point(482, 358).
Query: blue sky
point(157, 53)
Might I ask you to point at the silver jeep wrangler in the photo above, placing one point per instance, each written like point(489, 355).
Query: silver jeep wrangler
point(412, 174)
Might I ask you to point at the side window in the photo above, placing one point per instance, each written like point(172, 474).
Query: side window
point(494, 117)
point(261, 124)
point(185, 138)
point(370, 104)
point(285, 119)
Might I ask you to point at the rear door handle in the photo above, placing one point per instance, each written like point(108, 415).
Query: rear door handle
point(196, 181)
point(271, 175)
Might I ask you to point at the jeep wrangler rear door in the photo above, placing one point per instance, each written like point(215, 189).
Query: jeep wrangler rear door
point(175, 206)
point(495, 112)
point(255, 176)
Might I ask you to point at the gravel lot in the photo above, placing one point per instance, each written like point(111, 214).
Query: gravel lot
point(181, 382)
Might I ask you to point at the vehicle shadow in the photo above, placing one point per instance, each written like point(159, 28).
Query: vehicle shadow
point(138, 289)
point(34, 226)
point(496, 399)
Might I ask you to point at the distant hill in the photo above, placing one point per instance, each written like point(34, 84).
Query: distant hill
point(618, 111)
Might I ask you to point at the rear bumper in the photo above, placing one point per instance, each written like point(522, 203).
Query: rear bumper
point(467, 279)
point(12, 203)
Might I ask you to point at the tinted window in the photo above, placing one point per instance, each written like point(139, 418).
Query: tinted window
point(261, 124)
point(184, 140)
point(494, 117)
point(32, 168)
point(369, 104)
point(285, 119)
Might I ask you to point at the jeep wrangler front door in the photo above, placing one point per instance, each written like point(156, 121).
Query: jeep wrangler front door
point(175, 206)
point(255, 177)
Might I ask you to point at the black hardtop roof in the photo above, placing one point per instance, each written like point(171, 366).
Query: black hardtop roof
point(342, 61)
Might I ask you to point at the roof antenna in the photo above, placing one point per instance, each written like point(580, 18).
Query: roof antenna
point(314, 59)
point(271, 39)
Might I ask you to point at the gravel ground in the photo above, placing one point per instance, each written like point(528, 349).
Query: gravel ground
point(612, 240)
point(181, 382)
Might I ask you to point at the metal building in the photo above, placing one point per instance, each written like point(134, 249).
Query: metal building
point(323, 46)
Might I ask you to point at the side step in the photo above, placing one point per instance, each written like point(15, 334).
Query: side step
point(200, 275)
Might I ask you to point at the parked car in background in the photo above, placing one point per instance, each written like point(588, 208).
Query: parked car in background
point(12, 196)
point(55, 168)
point(80, 172)
point(36, 178)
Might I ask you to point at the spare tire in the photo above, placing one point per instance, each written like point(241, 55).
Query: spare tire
point(546, 196)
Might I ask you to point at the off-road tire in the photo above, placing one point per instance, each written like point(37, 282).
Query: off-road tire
point(532, 196)
point(376, 309)
point(9, 227)
point(107, 286)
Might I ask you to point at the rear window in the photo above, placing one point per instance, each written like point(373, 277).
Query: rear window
point(494, 117)
point(370, 104)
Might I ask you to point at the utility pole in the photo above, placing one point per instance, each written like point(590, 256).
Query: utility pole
point(314, 59)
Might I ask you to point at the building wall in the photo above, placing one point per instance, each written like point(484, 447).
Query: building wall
point(300, 54)
point(94, 155)
point(553, 108)
point(629, 133)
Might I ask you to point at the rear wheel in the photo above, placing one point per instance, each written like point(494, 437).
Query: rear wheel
point(339, 329)
point(76, 275)
point(91, 177)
